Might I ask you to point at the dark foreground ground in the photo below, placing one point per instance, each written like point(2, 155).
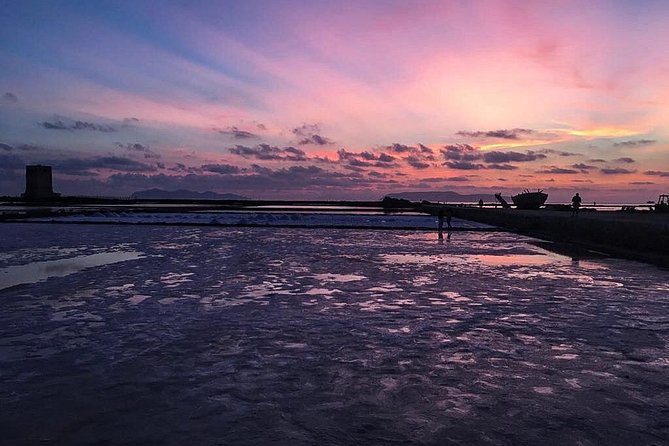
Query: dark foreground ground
point(293, 337)
point(642, 236)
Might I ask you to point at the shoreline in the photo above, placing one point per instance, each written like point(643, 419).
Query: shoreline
point(641, 236)
point(636, 236)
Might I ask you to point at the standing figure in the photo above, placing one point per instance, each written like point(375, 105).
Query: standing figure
point(575, 204)
point(440, 217)
point(449, 217)
point(481, 203)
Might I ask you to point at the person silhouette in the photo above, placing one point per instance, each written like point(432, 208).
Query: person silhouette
point(449, 217)
point(575, 204)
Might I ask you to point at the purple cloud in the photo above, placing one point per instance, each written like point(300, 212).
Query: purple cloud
point(237, 133)
point(460, 152)
point(223, 169)
point(558, 171)
point(315, 139)
point(497, 166)
point(624, 159)
point(616, 171)
point(501, 134)
point(582, 167)
point(418, 157)
point(401, 148)
point(558, 152)
point(255, 180)
point(507, 157)
point(269, 153)
point(137, 147)
point(309, 134)
point(366, 159)
point(59, 124)
point(657, 173)
point(463, 165)
point(416, 162)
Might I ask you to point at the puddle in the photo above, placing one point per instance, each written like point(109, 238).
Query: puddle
point(402, 259)
point(515, 259)
point(332, 277)
point(39, 271)
point(505, 259)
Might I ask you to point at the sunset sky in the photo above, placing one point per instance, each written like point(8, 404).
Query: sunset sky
point(337, 99)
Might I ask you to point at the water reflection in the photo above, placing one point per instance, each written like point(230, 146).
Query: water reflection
point(517, 259)
point(38, 271)
point(501, 259)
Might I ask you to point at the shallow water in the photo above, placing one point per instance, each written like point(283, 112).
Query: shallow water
point(267, 218)
point(293, 336)
point(37, 271)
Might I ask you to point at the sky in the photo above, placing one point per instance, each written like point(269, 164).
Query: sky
point(337, 99)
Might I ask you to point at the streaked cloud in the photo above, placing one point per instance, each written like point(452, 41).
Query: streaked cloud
point(616, 171)
point(506, 157)
point(237, 133)
point(657, 173)
point(558, 170)
point(145, 150)
point(269, 153)
point(501, 134)
point(71, 125)
point(624, 159)
point(224, 169)
point(464, 165)
point(635, 142)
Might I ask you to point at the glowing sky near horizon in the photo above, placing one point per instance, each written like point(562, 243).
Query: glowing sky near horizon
point(346, 99)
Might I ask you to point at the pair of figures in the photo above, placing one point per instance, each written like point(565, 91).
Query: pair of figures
point(449, 216)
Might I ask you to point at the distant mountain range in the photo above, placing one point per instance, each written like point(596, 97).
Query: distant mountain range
point(182, 194)
point(445, 196)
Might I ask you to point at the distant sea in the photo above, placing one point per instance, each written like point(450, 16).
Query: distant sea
point(306, 208)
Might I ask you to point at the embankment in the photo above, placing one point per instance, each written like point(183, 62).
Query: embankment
point(637, 236)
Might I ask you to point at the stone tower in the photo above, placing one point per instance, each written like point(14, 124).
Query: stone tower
point(38, 183)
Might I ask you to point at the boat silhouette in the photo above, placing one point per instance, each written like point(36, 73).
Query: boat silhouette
point(530, 200)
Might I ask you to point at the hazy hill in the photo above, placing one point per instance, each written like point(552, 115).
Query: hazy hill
point(445, 196)
point(182, 194)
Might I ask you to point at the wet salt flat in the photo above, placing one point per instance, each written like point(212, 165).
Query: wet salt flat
point(207, 335)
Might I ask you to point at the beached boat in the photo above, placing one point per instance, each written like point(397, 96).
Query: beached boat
point(530, 200)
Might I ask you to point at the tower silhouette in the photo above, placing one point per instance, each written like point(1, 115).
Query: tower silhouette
point(38, 183)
